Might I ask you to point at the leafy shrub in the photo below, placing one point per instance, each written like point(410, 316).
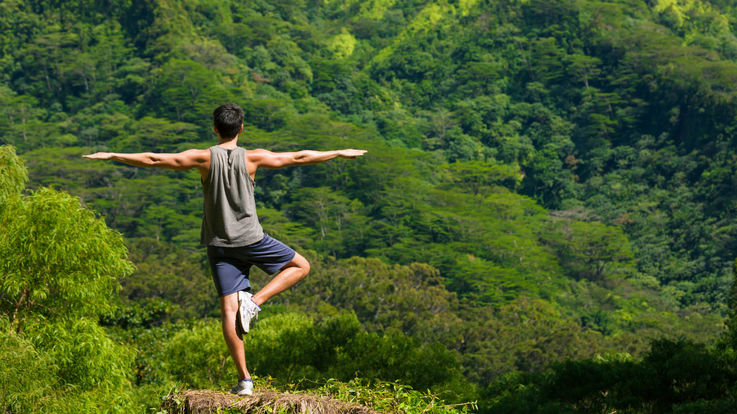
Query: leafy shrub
point(84, 354)
point(292, 347)
point(20, 392)
point(391, 397)
point(198, 356)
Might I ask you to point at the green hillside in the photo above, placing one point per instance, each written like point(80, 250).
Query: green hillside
point(547, 196)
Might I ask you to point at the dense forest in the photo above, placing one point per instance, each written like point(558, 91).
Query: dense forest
point(545, 220)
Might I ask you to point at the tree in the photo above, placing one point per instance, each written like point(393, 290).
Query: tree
point(13, 175)
point(593, 251)
point(58, 260)
point(186, 90)
point(166, 271)
point(20, 392)
point(732, 309)
point(337, 220)
point(523, 335)
point(586, 68)
point(411, 299)
point(59, 267)
point(477, 177)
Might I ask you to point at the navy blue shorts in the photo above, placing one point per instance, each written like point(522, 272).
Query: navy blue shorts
point(230, 266)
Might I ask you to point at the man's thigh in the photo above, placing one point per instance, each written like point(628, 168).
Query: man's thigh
point(229, 274)
point(270, 255)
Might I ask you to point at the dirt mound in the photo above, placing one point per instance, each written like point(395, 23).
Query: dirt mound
point(206, 401)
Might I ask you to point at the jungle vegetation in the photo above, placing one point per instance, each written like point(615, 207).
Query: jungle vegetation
point(545, 220)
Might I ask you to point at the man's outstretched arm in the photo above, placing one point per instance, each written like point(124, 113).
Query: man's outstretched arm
point(181, 161)
point(268, 159)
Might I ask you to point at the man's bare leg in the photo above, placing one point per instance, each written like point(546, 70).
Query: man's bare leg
point(228, 309)
point(290, 274)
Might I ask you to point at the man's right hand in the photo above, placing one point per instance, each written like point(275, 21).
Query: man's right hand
point(99, 156)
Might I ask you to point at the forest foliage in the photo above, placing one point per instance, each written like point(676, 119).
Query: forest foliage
point(547, 197)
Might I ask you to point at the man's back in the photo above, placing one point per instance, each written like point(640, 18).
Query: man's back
point(229, 216)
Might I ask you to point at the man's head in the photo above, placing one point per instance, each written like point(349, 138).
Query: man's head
point(228, 120)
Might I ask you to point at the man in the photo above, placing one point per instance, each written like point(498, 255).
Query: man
point(230, 228)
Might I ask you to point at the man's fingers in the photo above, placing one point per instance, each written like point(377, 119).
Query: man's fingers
point(98, 156)
point(353, 153)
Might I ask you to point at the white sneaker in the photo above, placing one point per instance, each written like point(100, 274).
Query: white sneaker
point(247, 310)
point(244, 387)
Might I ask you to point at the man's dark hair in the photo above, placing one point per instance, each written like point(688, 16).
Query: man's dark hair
point(228, 119)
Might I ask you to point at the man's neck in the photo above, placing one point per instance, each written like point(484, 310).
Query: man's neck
point(228, 143)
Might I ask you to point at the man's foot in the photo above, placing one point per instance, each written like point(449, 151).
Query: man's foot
point(244, 387)
point(247, 310)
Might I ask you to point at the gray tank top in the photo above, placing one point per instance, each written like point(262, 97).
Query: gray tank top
point(229, 218)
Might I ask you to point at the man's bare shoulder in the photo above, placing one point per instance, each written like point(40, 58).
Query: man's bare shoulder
point(257, 153)
point(197, 153)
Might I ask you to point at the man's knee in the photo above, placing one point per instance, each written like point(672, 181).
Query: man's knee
point(305, 268)
point(302, 264)
point(229, 304)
